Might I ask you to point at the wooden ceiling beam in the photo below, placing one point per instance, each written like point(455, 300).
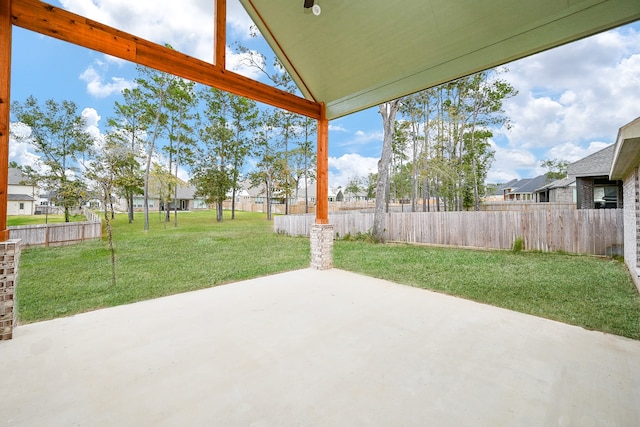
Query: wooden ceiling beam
point(221, 33)
point(58, 23)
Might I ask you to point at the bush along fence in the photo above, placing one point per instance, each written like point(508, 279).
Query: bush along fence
point(583, 231)
point(58, 234)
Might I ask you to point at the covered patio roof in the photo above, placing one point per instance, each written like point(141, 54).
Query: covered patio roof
point(357, 54)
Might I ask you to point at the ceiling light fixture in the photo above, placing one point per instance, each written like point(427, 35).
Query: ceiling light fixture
point(309, 4)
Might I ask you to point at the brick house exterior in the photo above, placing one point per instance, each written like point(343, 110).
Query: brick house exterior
point(625, 166)
point(594, 188)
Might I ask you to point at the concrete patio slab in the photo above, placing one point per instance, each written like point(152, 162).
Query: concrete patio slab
point(315, 348)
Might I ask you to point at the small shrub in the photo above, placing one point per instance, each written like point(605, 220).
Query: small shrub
point(518, 245)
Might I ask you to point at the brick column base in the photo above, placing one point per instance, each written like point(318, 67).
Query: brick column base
point(321, 236)
point(9, 256)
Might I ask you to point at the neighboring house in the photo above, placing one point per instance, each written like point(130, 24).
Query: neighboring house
point(559, 191)
point(21, 196)
point(523, 190)
point(594, 188)
point(186, 200)
point(625, 167)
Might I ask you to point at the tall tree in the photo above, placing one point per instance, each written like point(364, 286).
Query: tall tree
point(388, 111)
point(154, 90)
point(59, 134)
point(243, 119)
point(449, 130)
point(127, 131)
point(288, 125)
point(354, 186)
point(212, 175)
point(270, 168)
point(305, 158)
point(180, 106)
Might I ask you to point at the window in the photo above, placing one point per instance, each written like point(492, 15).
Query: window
point(21, 205)
point(605, 197)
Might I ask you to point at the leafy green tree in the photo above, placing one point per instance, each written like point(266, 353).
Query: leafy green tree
point(212, 169)
point(448, 131)
point(243, 120)
point(103, 168)
point(180, 109)
point(212, 183)
point(556, 169)
point(288, 126)
point(304, 159)
point(270, 167)
point(354, 186)
point(127, 132)
point(372, 179)
point(59, 135)
point(151, 100)
point(285, 125)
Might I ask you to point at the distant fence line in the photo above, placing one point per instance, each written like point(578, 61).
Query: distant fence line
point(584, 231)
point(525, 206)
point(58, 234)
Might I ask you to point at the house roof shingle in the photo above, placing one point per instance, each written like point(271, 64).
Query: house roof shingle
point(596, 164)
point(15, 176)
point(20, 198)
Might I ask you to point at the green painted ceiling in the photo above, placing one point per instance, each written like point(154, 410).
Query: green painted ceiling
point(359, 53)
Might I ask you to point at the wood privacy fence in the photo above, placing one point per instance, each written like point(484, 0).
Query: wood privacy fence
point(58, 234)
point(584, 231)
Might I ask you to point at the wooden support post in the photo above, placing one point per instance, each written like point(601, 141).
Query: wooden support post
point(322, 180)
point(221, 34)
point(5, 101)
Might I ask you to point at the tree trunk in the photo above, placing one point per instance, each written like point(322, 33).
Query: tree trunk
point(219, 211)
point(233, 202)
point(130, 207)
point(388, 112)
point(147, 171)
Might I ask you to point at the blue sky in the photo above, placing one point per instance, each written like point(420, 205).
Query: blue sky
point(571, 100)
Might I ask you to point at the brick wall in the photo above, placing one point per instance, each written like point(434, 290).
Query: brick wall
point(9, 257)
point(321, 237)
point(631, 209)
point(584, 190)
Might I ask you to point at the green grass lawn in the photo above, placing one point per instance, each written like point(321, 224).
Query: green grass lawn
point(591, 292)
point(41, 219)
point(165, 260)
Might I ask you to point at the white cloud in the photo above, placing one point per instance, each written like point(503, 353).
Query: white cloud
point(342, 168)
point(237, 63)
point(574, 152)
point(363, 137)
point(187, 25)
point(507, 162)
point(92, 119)
point(238, 20)
point(337, 128)
point(21, 150)
point(571, 102)
point(95, 81)
point(576, 93)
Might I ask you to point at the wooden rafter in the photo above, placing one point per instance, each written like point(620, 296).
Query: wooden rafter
point(49, 20)
point(221, 33)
